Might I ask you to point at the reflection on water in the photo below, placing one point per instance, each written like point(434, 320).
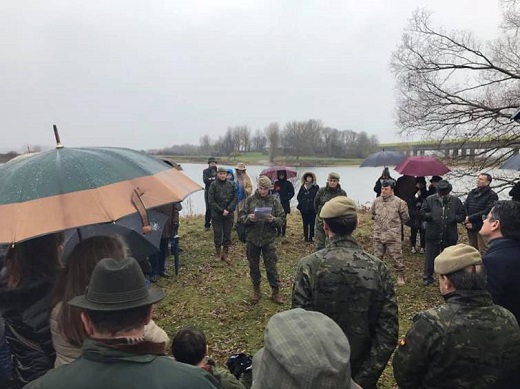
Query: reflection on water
point(357, 182)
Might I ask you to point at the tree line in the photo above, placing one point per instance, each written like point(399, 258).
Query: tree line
point(296, 138)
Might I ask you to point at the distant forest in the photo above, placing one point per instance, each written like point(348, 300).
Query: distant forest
point(296, 138)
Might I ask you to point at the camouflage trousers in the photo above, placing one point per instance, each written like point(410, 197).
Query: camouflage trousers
point(394, 252)
point(319, 236)
point(222, 227)
point(270, 259)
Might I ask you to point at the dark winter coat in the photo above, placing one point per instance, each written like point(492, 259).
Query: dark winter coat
point(478, 203)
point(442, 215)
point(209, 176)
point(306, 195)
point(26, 311)
point(515, 192)
point(222, 195)
point(285, 190)
point(502, 261)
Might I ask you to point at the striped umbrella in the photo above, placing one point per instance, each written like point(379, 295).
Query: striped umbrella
point(73, 187)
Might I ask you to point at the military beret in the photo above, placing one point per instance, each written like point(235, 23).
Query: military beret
point(388, 182)
point(337, 207)
point(264, 182)
point(456, 258)
point(444, 186)
point(333, 176)
point(221, 169)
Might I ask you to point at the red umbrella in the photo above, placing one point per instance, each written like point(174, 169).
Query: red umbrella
point(272, 172)
point(422, 166)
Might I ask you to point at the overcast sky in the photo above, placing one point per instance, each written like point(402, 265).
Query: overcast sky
point(147, 74)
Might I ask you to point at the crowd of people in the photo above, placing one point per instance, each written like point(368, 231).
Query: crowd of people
point(86, 320)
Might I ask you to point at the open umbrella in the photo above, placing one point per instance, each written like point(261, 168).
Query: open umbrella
point(73, 187)
point(512, 163)
point(422, 166)
point(383, 158)
point(129, 227)
point(272, 172)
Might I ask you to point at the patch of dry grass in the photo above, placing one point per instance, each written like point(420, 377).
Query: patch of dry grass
point(215, 296)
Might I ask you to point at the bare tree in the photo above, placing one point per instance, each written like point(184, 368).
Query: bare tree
point(205, 145)
point(272, 132)
point(450, 85)
point(259, 141)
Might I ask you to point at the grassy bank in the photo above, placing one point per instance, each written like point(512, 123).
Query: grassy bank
point(216, 296)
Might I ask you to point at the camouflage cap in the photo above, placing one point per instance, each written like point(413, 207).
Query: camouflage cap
point(455, 258)
point(302, 349)
point(333, 176)
point(221, 169)
point(388, 182)
point(338, 206)
point(264, 182)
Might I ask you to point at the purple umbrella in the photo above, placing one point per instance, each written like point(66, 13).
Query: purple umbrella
point(272, 172)
point(421, 167)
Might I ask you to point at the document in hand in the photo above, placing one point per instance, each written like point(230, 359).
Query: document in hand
point(262, 212)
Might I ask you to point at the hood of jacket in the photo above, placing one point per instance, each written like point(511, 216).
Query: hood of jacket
point(307, 174)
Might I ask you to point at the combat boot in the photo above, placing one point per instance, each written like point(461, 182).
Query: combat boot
point(218, 256)
point(276, 296)
point(256, 294)
point(225, 254)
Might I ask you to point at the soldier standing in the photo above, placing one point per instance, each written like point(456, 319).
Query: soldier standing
point(222, 198)
point(329, 191)
point(466, 343)
point(389, 213)
point(261, 231)
point(209, 175)
point(354, 289)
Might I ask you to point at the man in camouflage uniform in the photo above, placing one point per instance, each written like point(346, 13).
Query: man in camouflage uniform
point(389, 213)
point(329, 191)
point(260, 237)
point(466, 343)
point(354, 289)
point(222, 198)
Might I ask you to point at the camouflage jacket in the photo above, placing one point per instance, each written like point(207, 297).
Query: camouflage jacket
point(261, 233)
point(325, 194)
point(388, 214)
point(354, 289)
point(222, 195)
point(466, 343)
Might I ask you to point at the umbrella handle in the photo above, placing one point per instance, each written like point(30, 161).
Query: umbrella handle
point(139, 205)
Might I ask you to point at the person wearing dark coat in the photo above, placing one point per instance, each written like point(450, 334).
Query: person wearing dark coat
point(385, 175)
point(432, 188)
point(501, 229)
point(478, 204)
point(285, 190)
point(414, 209)
point(515, 192)
point(305, 197)
point(441, 212)
point(209, 176)
point(31, 270)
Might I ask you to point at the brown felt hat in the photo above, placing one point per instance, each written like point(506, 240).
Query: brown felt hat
point(333, 176)
point(264, 182)
point(456, 258)
point(339, 206)
point(116, 285)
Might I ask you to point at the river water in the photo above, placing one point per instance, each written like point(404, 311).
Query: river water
point(357, 182)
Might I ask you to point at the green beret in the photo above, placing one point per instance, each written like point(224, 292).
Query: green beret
point(221, 169)
point(456, 258)
point(333, 176)
point(338, 206)
point(264, 182)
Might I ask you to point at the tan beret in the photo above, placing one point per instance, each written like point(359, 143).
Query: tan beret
point(455, 258)
point(221, 169)
point(333, 176)
point(338, 206)
point(264, 182)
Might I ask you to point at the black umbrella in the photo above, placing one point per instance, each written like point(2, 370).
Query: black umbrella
point(383, 158)
point(512, 163)
point(129, 227)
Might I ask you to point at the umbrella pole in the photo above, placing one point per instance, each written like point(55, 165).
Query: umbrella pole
point(57, 136)
point(80, 237)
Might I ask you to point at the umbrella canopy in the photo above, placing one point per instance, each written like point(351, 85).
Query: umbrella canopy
point(272, 172)
point(73, 187)
point(512, 163)
point(172, 163)
point(422, 166)
point(383, 158)
point(129, 227)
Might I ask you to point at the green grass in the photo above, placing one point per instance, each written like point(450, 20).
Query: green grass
point(215, 297)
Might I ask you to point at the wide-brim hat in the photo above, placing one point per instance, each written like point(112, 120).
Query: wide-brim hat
point(212, 159)
point(116, 285)
point(240, 166)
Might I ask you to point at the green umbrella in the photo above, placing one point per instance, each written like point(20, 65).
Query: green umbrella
point(72, 187)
